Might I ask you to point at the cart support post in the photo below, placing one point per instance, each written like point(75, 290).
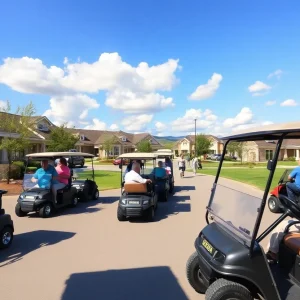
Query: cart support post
point(266, 193)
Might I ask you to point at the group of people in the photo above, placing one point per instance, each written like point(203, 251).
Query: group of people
point(60, 175)
point(195, 162)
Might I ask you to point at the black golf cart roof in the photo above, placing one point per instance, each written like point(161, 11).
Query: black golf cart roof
point(54, 155)
point(267, 132)
point(139, 155)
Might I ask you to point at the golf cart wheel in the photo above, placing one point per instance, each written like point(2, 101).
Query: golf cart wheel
point(74, 201)
point(225, 289)
point(46, 211)
point(6, 237)
point(150, 214)
point(194, 275)
point(19, 211)
point(273, 204)
point(96, 195)
point(120, 215)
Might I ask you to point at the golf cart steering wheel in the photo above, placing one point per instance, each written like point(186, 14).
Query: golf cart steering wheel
point(293, 206)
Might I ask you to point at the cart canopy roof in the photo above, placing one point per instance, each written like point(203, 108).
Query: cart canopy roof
point(162, 154)
point(53, 155)
point(267, 132)
point(139, 155)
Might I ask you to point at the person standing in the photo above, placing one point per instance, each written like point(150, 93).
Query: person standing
point(181, 165)
point(195, 165)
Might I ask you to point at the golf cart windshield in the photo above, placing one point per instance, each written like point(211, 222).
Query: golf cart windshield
point(41, 182)
point(233, 204)
point(235, 210)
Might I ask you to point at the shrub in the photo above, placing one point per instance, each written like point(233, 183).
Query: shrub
point(18, 172)
point(291, 158)
point(31, 170)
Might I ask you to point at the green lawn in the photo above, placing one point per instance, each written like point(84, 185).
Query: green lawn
point(253, 176)
point(238, 164)
point(106, 180)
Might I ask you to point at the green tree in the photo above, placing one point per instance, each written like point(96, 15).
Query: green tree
point(232, 147)
point(203, 144)
point(241, 150)
point(18, 128)
point(61, 139)
point(144, 146)
point(108, 145)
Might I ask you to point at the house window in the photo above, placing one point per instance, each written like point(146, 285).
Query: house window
point(116, 151)
point(269, 154)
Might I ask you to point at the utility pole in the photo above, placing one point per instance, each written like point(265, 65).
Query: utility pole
point(195, 136)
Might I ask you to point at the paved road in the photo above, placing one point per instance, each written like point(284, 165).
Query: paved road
point(85, 253)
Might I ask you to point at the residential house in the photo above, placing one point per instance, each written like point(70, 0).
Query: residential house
point(259, 151)
point(90, 141)
point(187, 145)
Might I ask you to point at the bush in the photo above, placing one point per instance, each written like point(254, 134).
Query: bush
point(228, 158)
point(291, 158)
point(19, 172)
point(31, 170)
point(34, 163)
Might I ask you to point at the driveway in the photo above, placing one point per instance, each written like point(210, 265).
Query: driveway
point(85, 253)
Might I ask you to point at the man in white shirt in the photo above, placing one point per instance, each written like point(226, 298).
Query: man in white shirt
point(134, 175)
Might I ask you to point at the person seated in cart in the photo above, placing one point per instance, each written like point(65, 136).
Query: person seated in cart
point(159, 171)
point(47, 169)
point(134, 175)
point(293, 188)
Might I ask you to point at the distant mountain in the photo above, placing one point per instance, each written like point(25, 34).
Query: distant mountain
point(169, 138)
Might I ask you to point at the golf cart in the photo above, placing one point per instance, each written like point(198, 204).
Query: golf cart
point(163, 155)
point(274, 202)
point(37, 194)
point(6, 226)
point(229, 262)
point(87, 189)
point(137, 199)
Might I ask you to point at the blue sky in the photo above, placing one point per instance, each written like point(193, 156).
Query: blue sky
point(241, 42)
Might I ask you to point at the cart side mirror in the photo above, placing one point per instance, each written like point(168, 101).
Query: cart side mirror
point(270, 164)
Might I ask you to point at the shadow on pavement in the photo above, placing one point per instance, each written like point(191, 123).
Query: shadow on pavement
point(25, 243)
point(184, 188)
point(109, 200)
point(174, 206)
point(81, 208)
point(134, 284)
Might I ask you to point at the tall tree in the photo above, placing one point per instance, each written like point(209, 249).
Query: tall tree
point(18, 129)
point(108, 145)
point(242, 149)
point(61, 139)
point(203, 144)
point(144, 146)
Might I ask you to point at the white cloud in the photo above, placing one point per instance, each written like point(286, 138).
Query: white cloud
point(113, 127)
point(127, 86)
point(289, 102)
point(251, 125)
point(276, 74)
point(207, 90)
point(270, 103)
point(97, 125)
point(137, 102)
point(67, 108)
point(160, 126)
point(187, 122)
point(258, 87)
point(136, 123)
point(243, 117)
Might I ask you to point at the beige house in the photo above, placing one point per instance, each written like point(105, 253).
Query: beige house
point(187, 145)
point(257, 151)
point(90, 141)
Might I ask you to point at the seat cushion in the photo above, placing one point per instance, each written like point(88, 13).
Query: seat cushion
point(135, 188)
point(292, 241)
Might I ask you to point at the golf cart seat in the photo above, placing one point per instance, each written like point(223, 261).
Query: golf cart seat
point(68, 186)
point(135, 188)
point(292, 241)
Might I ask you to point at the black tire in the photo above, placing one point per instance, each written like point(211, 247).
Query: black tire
point(6, 237)
point(273, 204)
point(19, 211)
point(74, 201)
point(120, 215)
point(223, 289)
point(46, 210)
point(150, 214)
point(96, 195)
point(193, 274)
point(171, 188)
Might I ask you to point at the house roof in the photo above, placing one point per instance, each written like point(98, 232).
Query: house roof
point(288, 143)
